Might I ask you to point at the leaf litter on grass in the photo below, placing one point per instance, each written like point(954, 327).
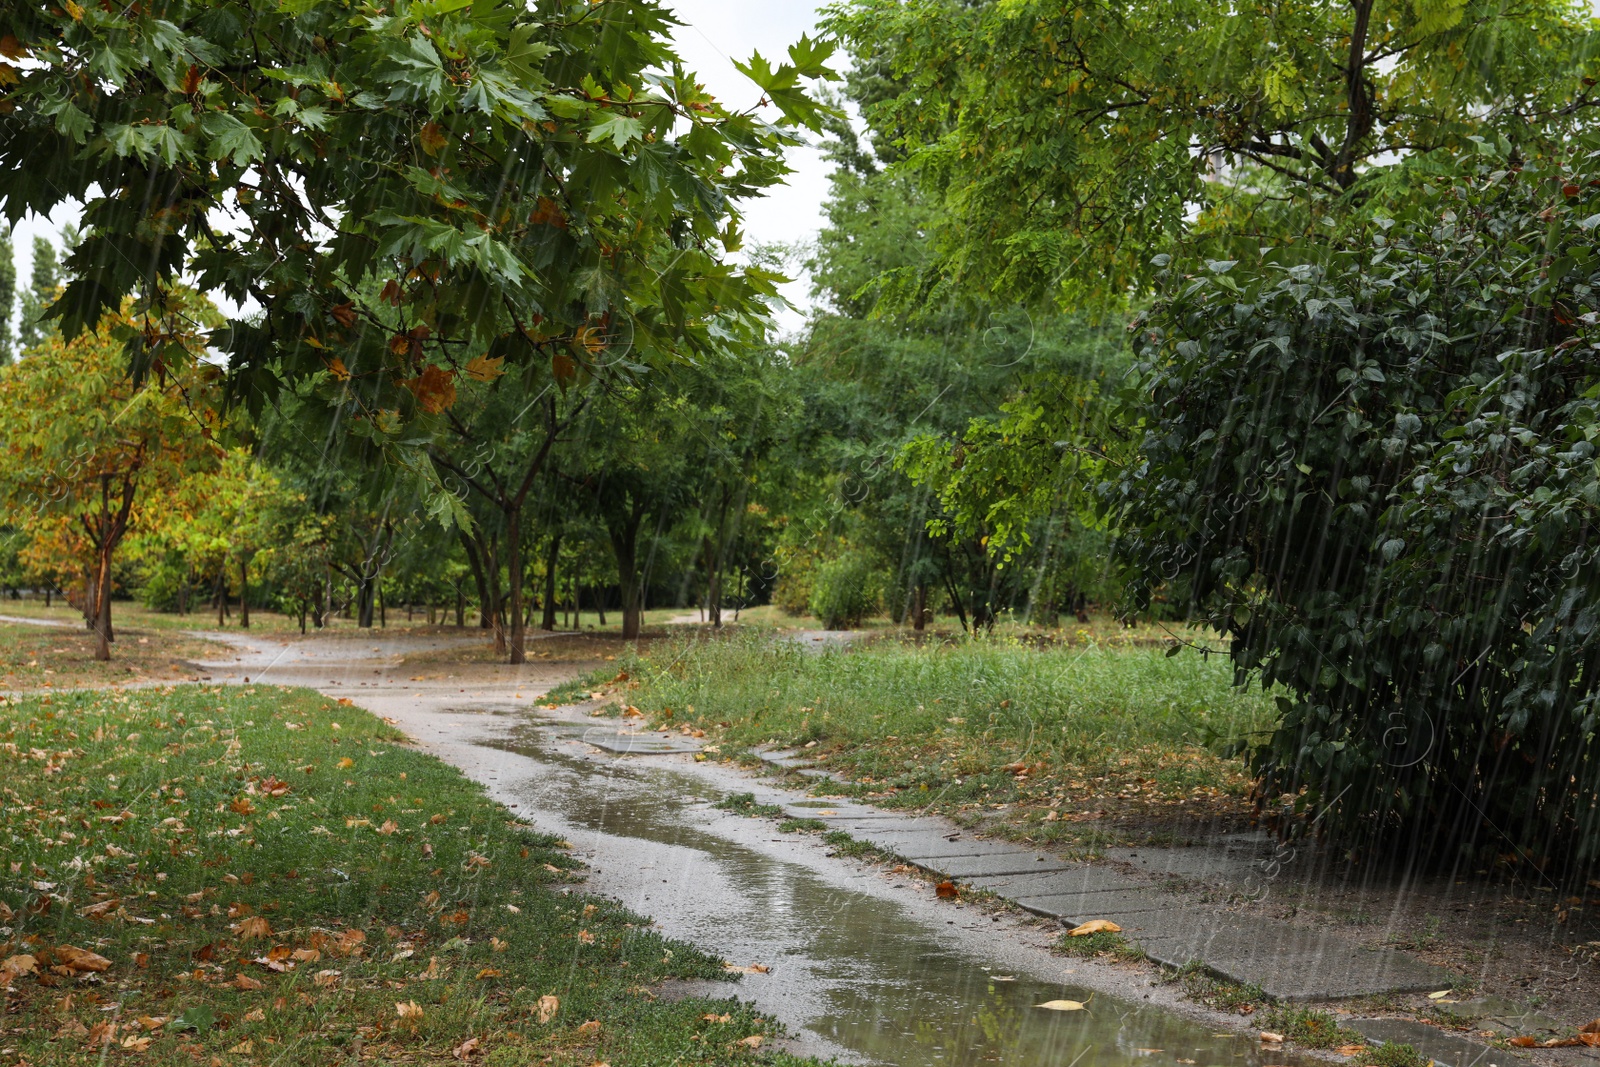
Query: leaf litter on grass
point(165, 866)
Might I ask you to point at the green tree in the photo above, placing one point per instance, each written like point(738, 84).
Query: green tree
point(8, 301)
point(409, 188)
point(1413, 566)
point(44, 282)
point(1070, 140)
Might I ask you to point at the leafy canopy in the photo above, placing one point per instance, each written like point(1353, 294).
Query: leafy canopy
point(398, 194)
point(1072, 139)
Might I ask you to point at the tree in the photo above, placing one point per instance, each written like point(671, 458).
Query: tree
point(44, 284)
point(81, 444)
point(410, 190)
point(8, 300)
point(1414, 567)
point(1070, 140)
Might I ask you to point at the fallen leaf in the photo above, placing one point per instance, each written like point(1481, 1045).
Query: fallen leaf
point(547, 1007)
point(409, 1010)
point(490, 972)
point(153, 1022)
point(753, 1041)
point(135, 1043)
point(498, 945)
point(1094, 926)
point(16, 966)
point(255, 1015)
point(253, 928)
point(101, 1034)
point(1524, 1041)
point(243, 1048)
point(586, 937)
point(389, 826)
point(465, 1049)
point(80, 960)
point(1590, 1027)
point(1440, 995)
point(1065, 1005)
point(946, 891)
point(1271, 1038)
point(325, 978)
point(1350, 1050)
point(590, 1027)
point(244, 983)
point(712, 1018)
point(346, 763)
point(307, 955)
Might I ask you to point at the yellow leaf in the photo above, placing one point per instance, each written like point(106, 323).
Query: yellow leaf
point(484, 369)
point(1095, 926)
point(547, 1007)
point(73, 9)
point(337, 368)
point(1065, 1005)
point(1271, 1038)
point(1440, 995)
point(135, 1043)
point(408, 1009)
point(243, 1048)
point(346, 763)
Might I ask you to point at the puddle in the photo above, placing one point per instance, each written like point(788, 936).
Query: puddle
point(856, 971)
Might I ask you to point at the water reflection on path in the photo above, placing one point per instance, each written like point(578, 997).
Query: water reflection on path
point(856, 972)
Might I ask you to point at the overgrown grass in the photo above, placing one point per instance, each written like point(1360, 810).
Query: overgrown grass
point(267, 877)
point(970, 723)
point(1204, 987)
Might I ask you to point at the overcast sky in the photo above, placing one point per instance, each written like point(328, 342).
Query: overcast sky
point(715, 32)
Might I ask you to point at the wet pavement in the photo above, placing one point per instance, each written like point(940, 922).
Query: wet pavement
point(858, 962)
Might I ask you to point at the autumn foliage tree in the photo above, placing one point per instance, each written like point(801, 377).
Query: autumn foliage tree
point(83, 447)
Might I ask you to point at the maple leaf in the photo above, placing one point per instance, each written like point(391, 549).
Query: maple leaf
point(432, 138)
point(434, 388)
point(484, 369)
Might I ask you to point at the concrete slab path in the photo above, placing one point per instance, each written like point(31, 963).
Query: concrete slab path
point(1287, 960)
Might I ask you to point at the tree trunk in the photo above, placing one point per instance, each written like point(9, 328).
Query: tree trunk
point(519, 651)
point(102, 629)
point(549, 620)
point(919, 607)
point(625, 545)
point(600, 604)
point(461, 608)
point(366, 597)
point(383, 608)
point(244, 595)
point(219, 597)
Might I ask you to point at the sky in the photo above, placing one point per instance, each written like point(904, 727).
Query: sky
point(714, 33)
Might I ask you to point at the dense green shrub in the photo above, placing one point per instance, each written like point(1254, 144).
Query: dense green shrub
point(1370, 461)
point(846, 591)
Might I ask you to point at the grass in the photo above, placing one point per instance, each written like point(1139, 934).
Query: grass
point(264, 876)
point(745, 804)
point(33, 657)
point(1393, 1055)
point(1202, 986)
point(1057, 738)
point(1103, 943)
point(1308, 1027)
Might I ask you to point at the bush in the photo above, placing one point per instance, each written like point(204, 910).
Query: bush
point(1370, 462)
point(846, 591)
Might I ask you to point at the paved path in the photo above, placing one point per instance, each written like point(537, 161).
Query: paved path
point(1287, 960)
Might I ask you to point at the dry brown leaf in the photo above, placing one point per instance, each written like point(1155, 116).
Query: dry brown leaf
point(135, 1043)
point(252, 928)
point(13, 967)
point(244, 983)
point(243, 1048)
point(100, 910)
point(466, 1049)
point(490, 972)
point(586, 937)
point(389, 826)
point(101, 1034)
point(713, 1018)
point(946, 891)
point(753, 1041)
point(346, 763)
point(547, 1007)
point(153, 1022)
point(590, 1027)
point(1590, 1027)
point(1271, 1038)
point(409, 1010)
point(1094, 926)
point(255, 1015)
point(1350, 1050)
point(1523, 1041)
point(71, 1028)
point(307, 955)
point(498, 945)
point(80, 961)
point(325, 979)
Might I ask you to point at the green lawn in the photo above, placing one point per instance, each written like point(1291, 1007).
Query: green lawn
point(263, 876)
point(1057, 737)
